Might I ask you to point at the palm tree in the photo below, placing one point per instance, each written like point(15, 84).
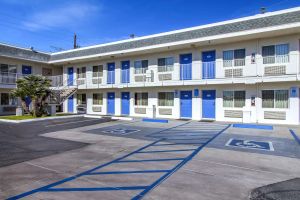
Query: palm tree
point(35, 87)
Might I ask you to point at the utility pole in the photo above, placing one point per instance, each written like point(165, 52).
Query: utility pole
point(75, 41)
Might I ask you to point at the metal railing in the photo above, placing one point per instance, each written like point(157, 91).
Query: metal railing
point(197, 72)
point(56, 81)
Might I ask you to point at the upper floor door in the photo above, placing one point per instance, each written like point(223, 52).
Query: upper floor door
point(70, 76)
point(125, 67)
point(110, 73)
point(208, 64)
point(186, 67)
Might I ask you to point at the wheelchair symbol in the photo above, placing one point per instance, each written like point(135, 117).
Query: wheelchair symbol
point(121, 131)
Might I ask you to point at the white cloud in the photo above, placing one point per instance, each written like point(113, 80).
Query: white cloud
point(64, 16)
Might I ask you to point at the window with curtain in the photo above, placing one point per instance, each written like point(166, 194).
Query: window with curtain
point(165, 64)
point(98, 71)
point(6, 69)
point(239, 99)
point(8, 100)
point(234, 57)
point(166, 99)
point(141, 99)
point(275, 98)
point(227, 98)
point(81, 99)
point(234, 99)
point(140, 66)
point(275, 54)
point(97, 99)
point(81, 72)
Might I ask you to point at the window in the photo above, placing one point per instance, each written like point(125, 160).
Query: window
point(165, 64)
point(98, 71)
point(234, 99)
point(234, 58)
point(6, 69)
point(81, 72)
point(97, 99)
point(141, 99)
point(275, 54)
point(7, 99)
point(81, 99)
point(166, 99)
point(140, 67)
point(275, 98)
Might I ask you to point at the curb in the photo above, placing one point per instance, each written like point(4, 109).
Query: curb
point(38, 119)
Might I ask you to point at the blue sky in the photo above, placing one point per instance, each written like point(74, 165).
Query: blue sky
point(50, 24)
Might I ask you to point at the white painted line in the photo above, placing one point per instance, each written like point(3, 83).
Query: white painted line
point(39, 119)
point(29, 163)
point(239, 167)
point(123, 118)
point(71, 122)
point(93, 116)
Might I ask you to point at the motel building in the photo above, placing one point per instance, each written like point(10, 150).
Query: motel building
point(242, 70)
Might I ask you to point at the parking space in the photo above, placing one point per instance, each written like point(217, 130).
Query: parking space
point(175, 160)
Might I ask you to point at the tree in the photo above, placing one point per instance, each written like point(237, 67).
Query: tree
point(37, 88)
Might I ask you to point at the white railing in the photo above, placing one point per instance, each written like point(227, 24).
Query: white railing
point(276, 59)
point(234, 63)
point(56, 81)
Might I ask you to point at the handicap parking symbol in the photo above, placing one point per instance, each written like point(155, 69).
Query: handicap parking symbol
point(121, 131)
point(250, 144)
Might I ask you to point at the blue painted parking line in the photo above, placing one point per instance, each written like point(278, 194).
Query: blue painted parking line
point(295, 136)
point(144, 189)
point(169, 144)
point(93, 189)
point(253, 126)
point(130, 172)
point(177, 167)
point(152, 160)
point(155, 120)
point(166, 151)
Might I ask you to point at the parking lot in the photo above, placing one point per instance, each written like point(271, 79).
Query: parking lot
point(104, 159)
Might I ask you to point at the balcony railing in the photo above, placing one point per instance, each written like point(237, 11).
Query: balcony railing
point(248, 70)
point(276, 59)
point(56, 80)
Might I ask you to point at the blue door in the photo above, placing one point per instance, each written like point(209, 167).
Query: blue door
point(186, 104)
point(111, 103)
point(110, 73)
point(208, 64)
point(70, 76)
point(71, 104)
point(26, 69)
point(125, 67)
point(209, 104)
point(125, 104)
point(186, 67)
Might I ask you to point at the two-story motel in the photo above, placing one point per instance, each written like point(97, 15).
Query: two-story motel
point(243, 70)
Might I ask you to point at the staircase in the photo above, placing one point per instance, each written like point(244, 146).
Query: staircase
point(62, 92)
point(59, 96)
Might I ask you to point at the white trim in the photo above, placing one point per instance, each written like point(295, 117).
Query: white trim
point(186, 29)
point(223, 36)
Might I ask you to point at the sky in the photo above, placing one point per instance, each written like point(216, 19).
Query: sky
point(49, 25)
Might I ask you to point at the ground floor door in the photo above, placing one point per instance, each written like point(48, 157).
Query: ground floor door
point(111, 103)
point(125, 103)
point(186, 104)
point(71, 104)
point(209, 104)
